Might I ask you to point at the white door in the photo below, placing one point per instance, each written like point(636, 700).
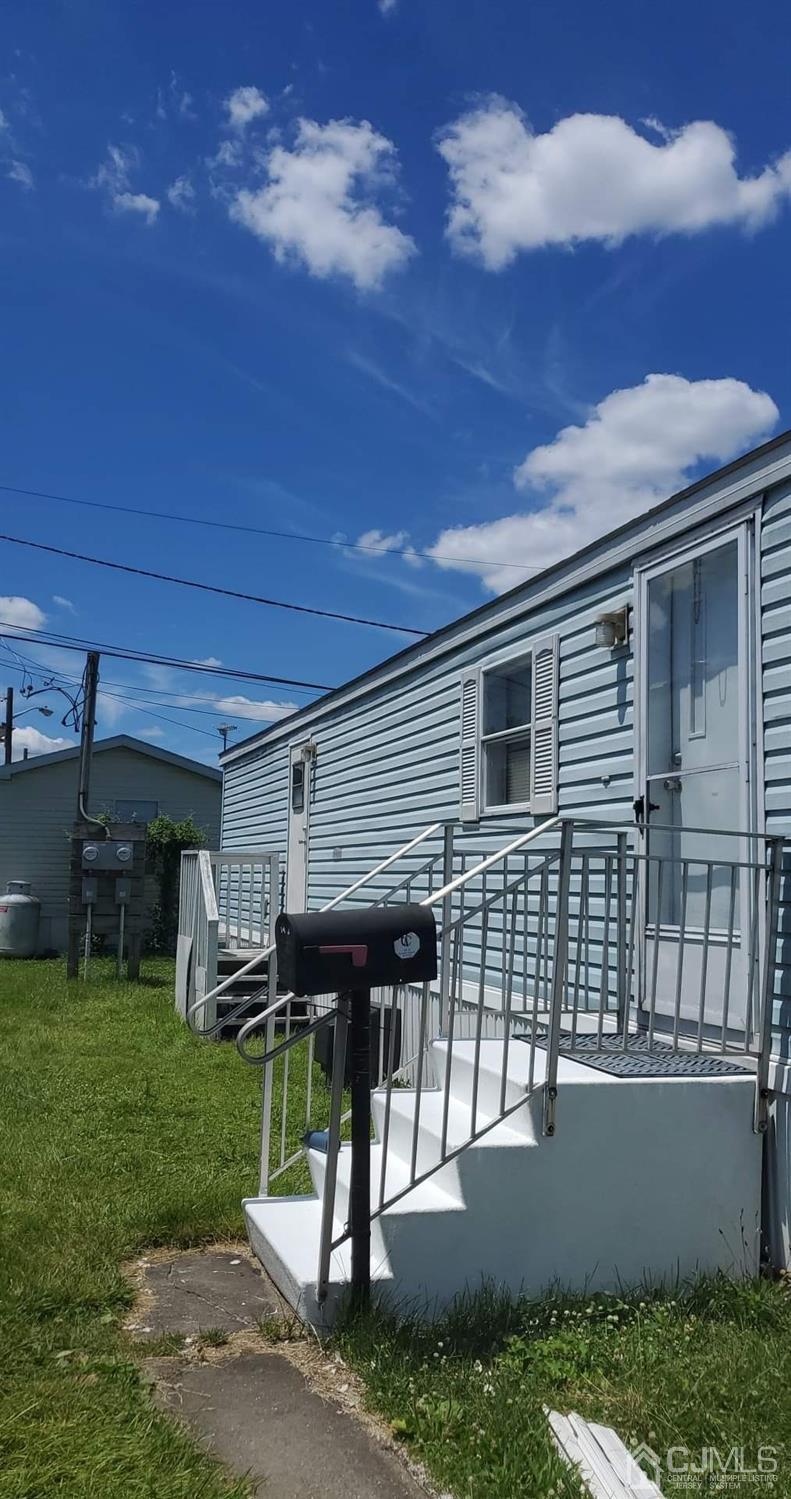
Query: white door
point(695, 781)
point(300, 761)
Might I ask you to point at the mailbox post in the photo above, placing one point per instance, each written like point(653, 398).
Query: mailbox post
point(350, 953)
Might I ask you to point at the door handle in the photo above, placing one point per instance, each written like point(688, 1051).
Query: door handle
point(638, 806)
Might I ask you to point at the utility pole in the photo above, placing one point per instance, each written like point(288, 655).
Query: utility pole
point(86, 736)
point(76, 896)
point(8, 727)
point(224, 729)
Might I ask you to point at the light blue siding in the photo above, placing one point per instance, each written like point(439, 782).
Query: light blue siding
point(388, 762)
point(776, 656)
point(388, 765)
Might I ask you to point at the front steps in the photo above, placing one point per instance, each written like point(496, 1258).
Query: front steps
point(644, 1179)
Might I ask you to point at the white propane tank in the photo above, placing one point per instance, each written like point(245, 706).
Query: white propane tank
point(19, 917)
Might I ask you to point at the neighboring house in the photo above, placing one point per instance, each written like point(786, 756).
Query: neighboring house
point(131, 781)
point(647, 676)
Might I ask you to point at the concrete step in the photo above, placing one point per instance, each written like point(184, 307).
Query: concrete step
point(643, 1178)
point(511, 1134)
point(285, 1235)
point(436, 1195)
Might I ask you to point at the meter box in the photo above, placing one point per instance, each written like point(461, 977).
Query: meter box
point(107, 854)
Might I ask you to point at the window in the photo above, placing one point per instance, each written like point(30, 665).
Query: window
point(509, 734)
point(136, 811)
point(506, 733)
point(298, 786)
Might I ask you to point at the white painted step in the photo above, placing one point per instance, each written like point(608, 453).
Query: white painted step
point(432, 1196)
point(285, 1235)
point(512, 1134)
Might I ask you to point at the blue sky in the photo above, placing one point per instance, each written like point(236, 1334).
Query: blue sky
point(482, 280)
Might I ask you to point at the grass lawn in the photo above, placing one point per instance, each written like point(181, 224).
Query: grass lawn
point(121, 1132)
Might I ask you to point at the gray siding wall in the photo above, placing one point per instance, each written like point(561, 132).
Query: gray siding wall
point(388, 765)
point(37, 811)
point(776, 658)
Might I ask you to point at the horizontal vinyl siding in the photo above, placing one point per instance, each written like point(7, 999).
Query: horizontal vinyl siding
point(776, 659)
point(37, 810)
point(255, 801)
point(388, 765)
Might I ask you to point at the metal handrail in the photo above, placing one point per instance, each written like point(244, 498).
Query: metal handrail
point(502, 853)
point(213, 858)
point(304, 1031)
point(260, 957)
point(257, 1020)
point(668, 827)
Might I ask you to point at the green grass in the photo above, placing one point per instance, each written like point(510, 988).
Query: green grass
point(120, 1132)
point(708, 1366)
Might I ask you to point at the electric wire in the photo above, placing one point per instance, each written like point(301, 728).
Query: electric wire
point(9, 630)
point(229, 593)
point(219, 525)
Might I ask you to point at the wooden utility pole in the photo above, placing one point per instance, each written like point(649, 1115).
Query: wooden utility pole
point(86, 734)
point(8, 727)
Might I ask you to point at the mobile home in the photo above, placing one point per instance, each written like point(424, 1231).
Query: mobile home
point(589, 777)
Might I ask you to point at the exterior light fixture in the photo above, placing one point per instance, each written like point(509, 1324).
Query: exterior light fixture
point(612, 629)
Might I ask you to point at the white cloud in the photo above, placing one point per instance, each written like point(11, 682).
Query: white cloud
point(137, 203)
point(637, 447)
point(387, 6)
point(319, 205)
point(593, 177)
point(229, 154)
point(181, 194)
point(36, 743)
point(394, 541)
point(207, 661)
point(19, 171)
point(3, 121)
point(263, 712)
point(57, 598)
point(114, 176)
point(152, 732)
point(20, 613)
point(109, 710)
point(245, 105)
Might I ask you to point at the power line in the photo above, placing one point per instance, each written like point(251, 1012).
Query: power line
point(221, 525)
point(229, 593)
point(128, 702)
point(159, 699)
point(32, 636)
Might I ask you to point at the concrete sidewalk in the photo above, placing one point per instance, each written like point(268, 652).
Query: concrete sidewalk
point(257, 1410)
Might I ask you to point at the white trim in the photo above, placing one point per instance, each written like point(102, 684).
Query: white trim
point(663, 527)
point(742, 531)
point(503, 736)
point(779, 1075)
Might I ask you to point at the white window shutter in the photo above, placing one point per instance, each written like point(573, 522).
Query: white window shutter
point(544, 758)
point(469, 770)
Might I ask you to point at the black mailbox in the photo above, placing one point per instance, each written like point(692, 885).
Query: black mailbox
point(327, 952)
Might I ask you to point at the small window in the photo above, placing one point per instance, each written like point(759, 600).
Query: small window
point(298, 786)
point(506, 737)
point(136, 811)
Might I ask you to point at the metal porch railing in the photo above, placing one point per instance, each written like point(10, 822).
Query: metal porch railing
point(226, 900)
point(594, 943)
point(375, 884)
